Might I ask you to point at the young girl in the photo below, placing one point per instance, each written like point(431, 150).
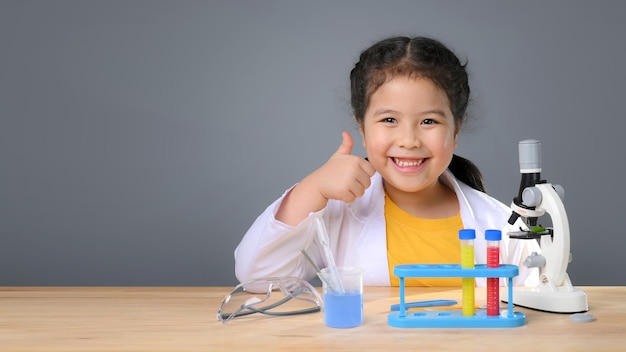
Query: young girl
point(405, 202)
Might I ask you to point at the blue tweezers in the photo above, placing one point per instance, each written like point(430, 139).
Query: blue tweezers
point(430, 303)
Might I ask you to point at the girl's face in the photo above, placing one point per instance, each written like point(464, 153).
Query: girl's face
point(409, 134)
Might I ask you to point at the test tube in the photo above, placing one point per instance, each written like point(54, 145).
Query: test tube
point(467, 237)
point(493, 238)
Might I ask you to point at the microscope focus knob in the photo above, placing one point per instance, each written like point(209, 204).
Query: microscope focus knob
point(535, 261)
point(531, 196)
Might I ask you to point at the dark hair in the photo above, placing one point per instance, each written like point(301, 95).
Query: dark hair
point(416, 57)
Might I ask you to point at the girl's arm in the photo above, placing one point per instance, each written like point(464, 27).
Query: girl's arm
point(271, 248)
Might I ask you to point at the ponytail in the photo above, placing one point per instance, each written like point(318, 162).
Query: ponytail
point(467, 172)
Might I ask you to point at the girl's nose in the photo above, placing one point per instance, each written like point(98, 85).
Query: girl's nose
point(408, 138)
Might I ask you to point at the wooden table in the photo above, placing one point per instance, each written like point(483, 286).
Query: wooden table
point(184, 319)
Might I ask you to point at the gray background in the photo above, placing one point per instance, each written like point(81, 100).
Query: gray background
point(140, 139)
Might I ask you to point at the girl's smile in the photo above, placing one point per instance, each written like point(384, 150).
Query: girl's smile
point(408, 165)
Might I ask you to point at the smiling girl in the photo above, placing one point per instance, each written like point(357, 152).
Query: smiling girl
point(406, 201)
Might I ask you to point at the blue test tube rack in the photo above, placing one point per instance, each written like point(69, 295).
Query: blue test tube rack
point(454, 318)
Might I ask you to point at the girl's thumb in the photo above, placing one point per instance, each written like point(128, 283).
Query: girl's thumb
point(346, 145)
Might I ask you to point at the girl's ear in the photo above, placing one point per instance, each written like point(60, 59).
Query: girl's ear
point(456, 134)
point(362, 132)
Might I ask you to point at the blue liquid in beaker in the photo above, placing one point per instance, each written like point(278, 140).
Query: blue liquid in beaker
point(343, 310)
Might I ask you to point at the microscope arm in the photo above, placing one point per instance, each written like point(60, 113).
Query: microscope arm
point(556, 248)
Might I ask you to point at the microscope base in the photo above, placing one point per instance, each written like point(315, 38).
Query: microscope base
point(568, 300)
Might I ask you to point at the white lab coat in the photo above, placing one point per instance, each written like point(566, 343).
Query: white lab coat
point(357, 233)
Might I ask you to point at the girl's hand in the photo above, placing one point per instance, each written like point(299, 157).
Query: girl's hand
point(344, 176)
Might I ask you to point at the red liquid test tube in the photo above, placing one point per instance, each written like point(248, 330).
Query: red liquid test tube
point(493, 238)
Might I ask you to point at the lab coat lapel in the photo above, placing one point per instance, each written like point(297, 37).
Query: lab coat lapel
point(371, 244)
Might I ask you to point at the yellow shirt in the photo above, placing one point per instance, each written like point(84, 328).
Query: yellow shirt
point(412, 240)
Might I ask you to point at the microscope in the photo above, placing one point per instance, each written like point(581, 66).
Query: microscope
point(536, 197)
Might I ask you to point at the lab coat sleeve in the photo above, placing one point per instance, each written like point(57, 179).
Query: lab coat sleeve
point(271, 248)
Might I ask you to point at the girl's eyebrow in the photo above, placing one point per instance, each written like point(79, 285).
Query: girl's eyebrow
point(435, 111)
point(384, 111)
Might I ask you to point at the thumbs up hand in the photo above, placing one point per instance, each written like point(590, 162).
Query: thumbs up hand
point(344, 176)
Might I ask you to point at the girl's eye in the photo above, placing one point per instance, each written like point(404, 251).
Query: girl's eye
point(429, 122)
point(389, 120)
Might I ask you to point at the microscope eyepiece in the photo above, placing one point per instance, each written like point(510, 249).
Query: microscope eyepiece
point(530, 168)
point(529, 156)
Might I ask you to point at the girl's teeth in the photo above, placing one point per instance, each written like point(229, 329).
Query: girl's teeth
point(407, 163)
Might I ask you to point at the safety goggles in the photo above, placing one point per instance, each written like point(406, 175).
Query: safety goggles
point(279, 296)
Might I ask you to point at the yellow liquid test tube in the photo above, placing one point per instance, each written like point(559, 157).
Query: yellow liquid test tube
point(467, 237)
